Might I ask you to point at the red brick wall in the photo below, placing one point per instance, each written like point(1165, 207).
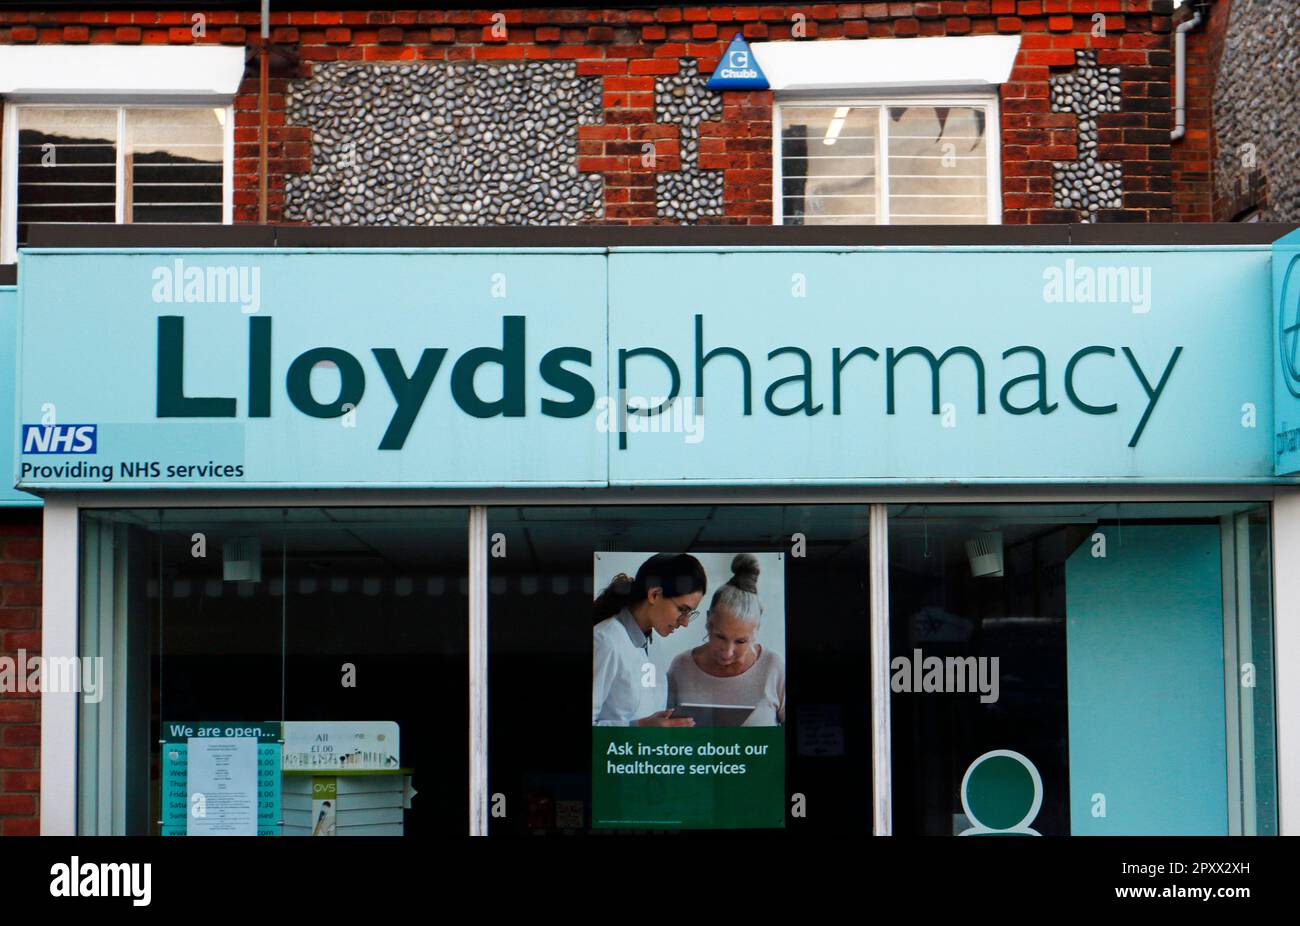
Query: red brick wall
point(1193, 177)
point(627, 48)
point(1210, 53)
point(20, 713)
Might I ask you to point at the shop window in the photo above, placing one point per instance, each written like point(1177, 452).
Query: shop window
point(89, 164)
point(1053, 669)
point(913, 162)
point(783, 744)
point(312, 661)
point(1081, 669)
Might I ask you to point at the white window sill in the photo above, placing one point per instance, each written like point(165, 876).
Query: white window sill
point(51, 73)
point(976, 62)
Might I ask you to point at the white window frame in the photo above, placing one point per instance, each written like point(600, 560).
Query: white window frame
point(992, 130)
point(9, 184)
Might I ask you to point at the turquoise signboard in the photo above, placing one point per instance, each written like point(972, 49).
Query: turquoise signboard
point(236, 369)
point(1286, 354)
point(9, 496)
point(643, 366)
point(943, 365)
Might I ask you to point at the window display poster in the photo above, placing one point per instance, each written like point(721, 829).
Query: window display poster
point(324, 806)
point(220, 778)
point(341, 744)
point(688, 691)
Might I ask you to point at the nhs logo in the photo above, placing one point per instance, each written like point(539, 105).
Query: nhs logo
point(59, 438)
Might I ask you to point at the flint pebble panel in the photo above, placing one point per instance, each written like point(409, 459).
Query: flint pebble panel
point(1087, 184)
point(685, 99)
point(1257, 108)
point(444, 144)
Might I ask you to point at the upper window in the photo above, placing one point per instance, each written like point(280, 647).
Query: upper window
point(899, 162)
point(78, 164)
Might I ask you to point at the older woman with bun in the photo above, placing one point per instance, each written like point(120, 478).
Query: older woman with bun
point(664, 595)
point(730, 667)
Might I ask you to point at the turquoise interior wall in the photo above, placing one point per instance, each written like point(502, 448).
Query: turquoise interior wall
point(1144, 647)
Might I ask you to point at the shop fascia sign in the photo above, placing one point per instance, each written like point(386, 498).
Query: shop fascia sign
point(591, 367)
point(1023, 385)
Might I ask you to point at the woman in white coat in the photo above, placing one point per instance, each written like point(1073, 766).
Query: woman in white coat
point(664, 595)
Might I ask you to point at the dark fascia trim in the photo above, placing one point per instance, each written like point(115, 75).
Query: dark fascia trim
point(8, 274)
point(603, 236)
point(151, 236)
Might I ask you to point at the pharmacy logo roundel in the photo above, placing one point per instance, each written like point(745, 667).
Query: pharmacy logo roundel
point(1289, 322)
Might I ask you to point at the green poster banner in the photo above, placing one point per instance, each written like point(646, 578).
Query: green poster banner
point(688, 777)
point(175, 768)
point(688, 690)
